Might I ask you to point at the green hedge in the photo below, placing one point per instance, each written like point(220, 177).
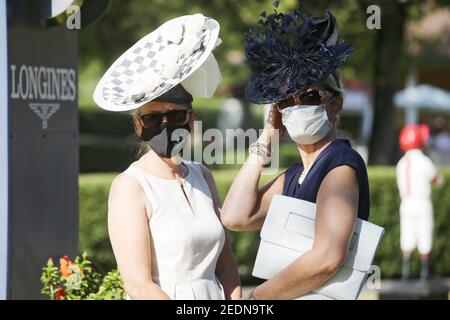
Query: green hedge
point(94, 120)
point(122, 150)
point(107, 153)
point(110, 135)
point(94, 190)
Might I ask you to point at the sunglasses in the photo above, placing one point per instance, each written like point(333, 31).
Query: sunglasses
point(174, 117)
point(312, 96)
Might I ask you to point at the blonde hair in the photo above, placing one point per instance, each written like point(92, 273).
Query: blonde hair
point(141, 147)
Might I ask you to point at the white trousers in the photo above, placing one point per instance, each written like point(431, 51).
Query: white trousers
point(416, 225)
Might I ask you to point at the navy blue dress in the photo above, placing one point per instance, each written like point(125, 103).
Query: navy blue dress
point(337, 153)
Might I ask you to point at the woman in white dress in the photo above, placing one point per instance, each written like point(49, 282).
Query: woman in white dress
point(164, 227)
point(163, 212)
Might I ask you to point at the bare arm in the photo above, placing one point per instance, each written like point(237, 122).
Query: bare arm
point(337, 205)
point(245, 206)
point(226, 269)
point(130, 238)
point(437, 180)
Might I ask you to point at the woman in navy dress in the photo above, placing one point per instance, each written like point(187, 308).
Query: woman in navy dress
point(306, 95)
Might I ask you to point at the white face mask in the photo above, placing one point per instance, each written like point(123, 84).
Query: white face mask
point(306, 124)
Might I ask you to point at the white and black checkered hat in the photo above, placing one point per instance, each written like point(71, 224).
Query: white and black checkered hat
point(159, 61)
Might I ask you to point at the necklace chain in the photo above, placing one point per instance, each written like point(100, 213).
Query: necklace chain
point(306, 169)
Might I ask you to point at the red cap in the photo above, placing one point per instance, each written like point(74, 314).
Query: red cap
point(414, 136)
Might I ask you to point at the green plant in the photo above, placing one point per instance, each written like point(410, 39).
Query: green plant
point(50, 279)
point(78, 280)
point(73, 281)
point(93, 235)
point(112, 288)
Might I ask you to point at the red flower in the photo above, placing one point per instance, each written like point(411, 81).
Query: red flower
point(65, 263)
point(60, 293)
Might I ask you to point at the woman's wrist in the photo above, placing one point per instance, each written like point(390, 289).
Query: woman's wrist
point(256, 158)
point(265, 136)
point(260, 151)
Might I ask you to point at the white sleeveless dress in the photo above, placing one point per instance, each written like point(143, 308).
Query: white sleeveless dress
point(186, 234)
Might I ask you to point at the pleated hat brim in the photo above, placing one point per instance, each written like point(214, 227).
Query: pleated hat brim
point(157, 62)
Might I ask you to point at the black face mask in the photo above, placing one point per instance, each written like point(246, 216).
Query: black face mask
point(166, 140)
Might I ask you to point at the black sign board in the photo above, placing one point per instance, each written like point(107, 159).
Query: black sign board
point(42, 145)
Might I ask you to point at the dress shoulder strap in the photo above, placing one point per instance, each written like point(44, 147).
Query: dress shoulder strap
point(198, 177)
point(194, 167)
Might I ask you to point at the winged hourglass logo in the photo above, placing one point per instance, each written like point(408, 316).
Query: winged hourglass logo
point(44, 111)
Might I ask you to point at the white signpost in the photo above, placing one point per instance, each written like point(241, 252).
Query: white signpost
point(3, 153)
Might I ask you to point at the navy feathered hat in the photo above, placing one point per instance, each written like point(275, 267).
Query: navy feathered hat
point(290, 53)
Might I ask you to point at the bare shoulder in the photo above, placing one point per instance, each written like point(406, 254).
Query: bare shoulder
point(342, 172)
point(340, 180)
point(279, 180)
point(125, 184)
point(126, 192)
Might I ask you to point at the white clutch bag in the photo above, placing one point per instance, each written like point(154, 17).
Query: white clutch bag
point(288, 232)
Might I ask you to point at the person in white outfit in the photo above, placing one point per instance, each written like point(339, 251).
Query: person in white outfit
point(163, 212)
point(164, 225)
point(416, 174)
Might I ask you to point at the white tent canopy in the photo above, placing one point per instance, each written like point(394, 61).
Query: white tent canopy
point(358, 102)
point(421, 97)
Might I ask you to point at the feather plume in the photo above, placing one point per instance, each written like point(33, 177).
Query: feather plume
point(291, 52)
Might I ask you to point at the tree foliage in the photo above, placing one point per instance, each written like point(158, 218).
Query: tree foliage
point(379, 55)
